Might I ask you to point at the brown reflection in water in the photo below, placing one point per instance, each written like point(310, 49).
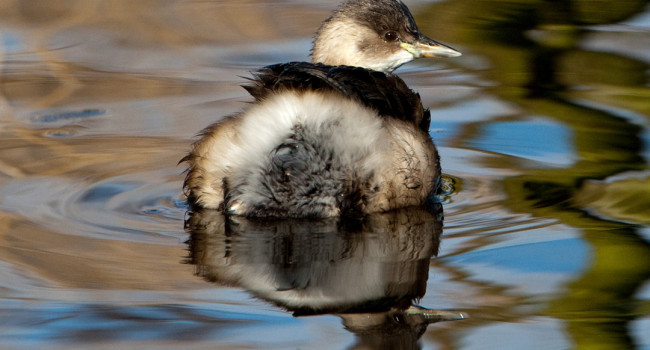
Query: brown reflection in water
point(74, 48)
point(174, 22)
point(31, 154)
point(55, 261)
point(36, 85)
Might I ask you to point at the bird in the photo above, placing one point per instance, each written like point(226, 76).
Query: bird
point(340, 136)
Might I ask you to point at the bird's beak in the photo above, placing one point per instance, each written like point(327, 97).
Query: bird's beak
point(425, 47)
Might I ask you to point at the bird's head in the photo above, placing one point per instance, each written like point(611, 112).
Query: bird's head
point(375, 34)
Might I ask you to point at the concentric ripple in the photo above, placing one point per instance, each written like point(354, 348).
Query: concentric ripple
point(126, 207)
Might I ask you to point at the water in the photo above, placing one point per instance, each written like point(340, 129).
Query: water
point(543, 126)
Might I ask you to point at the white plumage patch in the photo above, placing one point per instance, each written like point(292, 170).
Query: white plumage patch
point(355, 134)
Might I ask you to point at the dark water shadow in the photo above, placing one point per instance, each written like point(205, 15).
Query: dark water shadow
point(369, 272)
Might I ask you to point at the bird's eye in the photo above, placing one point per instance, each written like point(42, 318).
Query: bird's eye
point(391, 35)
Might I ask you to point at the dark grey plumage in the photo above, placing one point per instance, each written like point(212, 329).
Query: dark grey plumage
point(387, 93)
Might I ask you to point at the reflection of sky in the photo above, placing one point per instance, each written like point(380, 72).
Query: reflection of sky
point(639, 330)
point(446, 123)
point(11, 43)
point(646, 143)
point(566, 256)
point(536, 139)
point(644, 292)
point(645, 233)
point(543, 332)
point(640, 20)
point(535, 262)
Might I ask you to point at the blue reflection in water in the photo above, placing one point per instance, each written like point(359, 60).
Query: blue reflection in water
point(12, 43)
point(101, 193)
point(536, 139)
point(111, 323)
point(569, 256)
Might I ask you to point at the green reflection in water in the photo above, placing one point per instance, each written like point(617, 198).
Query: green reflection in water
point(535, 58)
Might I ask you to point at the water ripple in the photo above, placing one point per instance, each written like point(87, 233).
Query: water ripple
point(128, 207)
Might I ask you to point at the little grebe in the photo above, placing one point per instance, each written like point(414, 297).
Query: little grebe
point(338, 136)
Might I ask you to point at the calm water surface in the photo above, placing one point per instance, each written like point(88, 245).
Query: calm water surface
point(544, 131)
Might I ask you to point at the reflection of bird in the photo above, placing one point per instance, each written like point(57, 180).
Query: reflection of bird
point(368, 271)
point(314, 266)
point(339, 136)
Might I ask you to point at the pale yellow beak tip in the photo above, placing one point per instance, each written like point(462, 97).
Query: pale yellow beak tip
point(432, 49)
